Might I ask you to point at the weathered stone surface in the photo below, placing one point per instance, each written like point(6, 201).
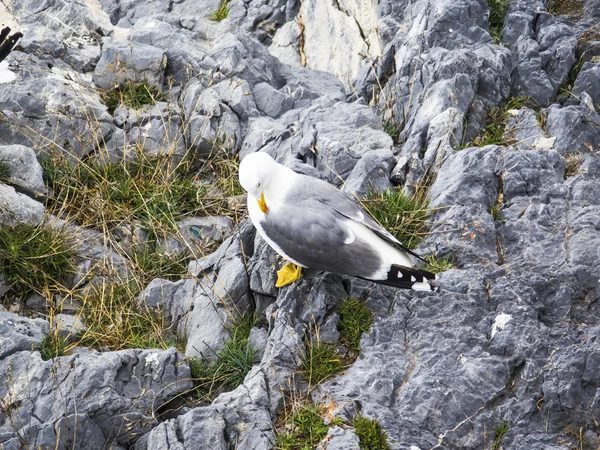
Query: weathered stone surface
point(575, 128)
point(25, 170)
point(587, 81)
point(111, 396)
point(17, 209)
point(20, 333)
point(128, 61)
point(197, 234)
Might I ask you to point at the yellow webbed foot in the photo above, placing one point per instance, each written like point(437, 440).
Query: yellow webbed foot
point(288, 274)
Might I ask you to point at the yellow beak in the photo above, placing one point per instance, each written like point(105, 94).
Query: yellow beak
point(262, 204)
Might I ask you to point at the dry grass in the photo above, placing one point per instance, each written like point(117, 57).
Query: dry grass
point(573, 164)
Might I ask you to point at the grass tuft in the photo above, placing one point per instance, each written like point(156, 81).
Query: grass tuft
point(151, 263)
point(498, 11)
point(221, 12)
point(117, 320)
point(34, 258)
point(4, 172)
point(232, 363)
point(355, 319)
point(322, 361)
point(53, 346)
point(493, 133)
point(131, 94)
point(370, 434)
point(500, 430)
point(438, 264)
point(304, 430)
point(402, 215)
point(145, 190)
point(393, 130)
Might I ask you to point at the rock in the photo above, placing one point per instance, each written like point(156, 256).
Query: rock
point(25, 170)
point(371, 174)
point(218, 115)
point(59, 105)
point(69, 326)
point(339, 438)
point(574, 128)
point(197, 234)
point(200, 307)
point(258, 340)
point(17, 209)
point(20, 334)
point(271, 101)
point(586, 81)
point(111, 395)
point(157, 291)
point(524, 130)
point(125, 61)
point(199, 428)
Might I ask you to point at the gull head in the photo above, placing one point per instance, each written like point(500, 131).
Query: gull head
point(257, 170)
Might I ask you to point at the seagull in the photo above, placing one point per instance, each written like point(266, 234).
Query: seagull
point(7, 42)
point(312, 224)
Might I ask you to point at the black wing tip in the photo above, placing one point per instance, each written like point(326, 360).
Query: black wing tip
point(409, 278)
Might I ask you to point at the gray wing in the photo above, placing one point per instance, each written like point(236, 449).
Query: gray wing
point(317, 238)
point(310, 190)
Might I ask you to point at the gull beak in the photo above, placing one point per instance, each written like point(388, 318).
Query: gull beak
point(262, 204)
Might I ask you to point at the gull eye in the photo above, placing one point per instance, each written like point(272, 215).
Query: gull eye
point(257, 185)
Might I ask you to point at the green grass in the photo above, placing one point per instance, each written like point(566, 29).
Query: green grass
point(4, 172)
point(498, 10)
point(152, 263)
point(305, 429)
point(393, 130)
point(53, 346)
point(495, 210)
point(221, 12)
point(402, 215)
point(438, 264)
point(131, 94)
point(146, 190)
point(35, 258)
point(231, 364)
point(493, 133)
point(117, 320)
point(370, 434)
point(500, 430)
point(355, 319)
point(321, 361)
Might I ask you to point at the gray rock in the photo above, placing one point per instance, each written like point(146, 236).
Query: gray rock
point(69, 326)
point(25, 170)
point(371, 174)
point(523, 129)
point(123, 61)
point(574, 127)
point(258, 340)
point(218, 115)
point(157, 291)
point(587, 81)
point(197, 234)
point(58, 107)
point(111, 395)
point(200, 307)
point(271, 101)
point(17, 209)
point(198, 429)
point(339, 438)
point(20, 334)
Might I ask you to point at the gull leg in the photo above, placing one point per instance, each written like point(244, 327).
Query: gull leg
point(288, 274)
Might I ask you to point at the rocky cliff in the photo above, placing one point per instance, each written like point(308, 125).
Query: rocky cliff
point(490, 110)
